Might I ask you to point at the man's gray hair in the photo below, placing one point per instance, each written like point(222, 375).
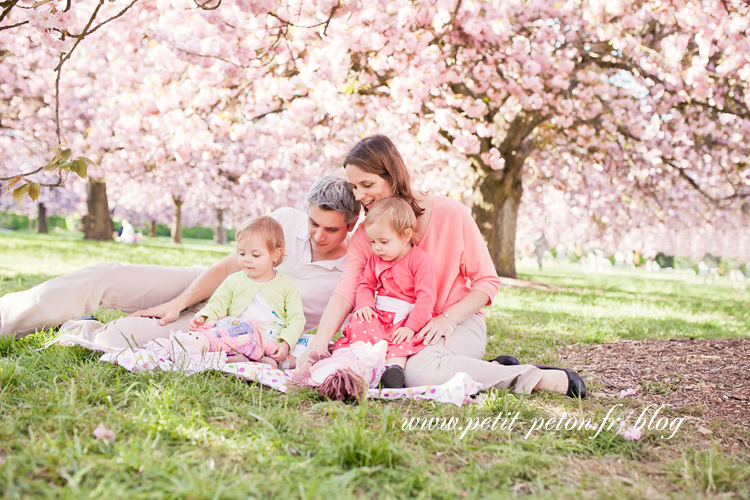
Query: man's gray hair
point(334, 193)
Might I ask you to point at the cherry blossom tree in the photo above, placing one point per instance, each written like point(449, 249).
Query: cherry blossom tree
point(192, 106)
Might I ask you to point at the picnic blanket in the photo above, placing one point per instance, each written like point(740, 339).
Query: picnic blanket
point(156, 355)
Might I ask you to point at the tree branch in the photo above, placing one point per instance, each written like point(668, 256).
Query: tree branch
point(13, 25)
point(289, 23)
point(57, 100)
point(7, 9)
point(86, 32)
point(205, 6)
point(717, 202)
point(208, 56)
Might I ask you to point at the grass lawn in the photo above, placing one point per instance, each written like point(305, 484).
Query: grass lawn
point(214, 436)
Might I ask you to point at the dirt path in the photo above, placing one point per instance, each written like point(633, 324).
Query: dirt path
point(708, 379)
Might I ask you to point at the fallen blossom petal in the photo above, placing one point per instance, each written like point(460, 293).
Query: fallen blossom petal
point(102, 432)
point(627, 392)
point(631, 434)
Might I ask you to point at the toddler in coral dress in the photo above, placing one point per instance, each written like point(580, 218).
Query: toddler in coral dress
point(405, 281)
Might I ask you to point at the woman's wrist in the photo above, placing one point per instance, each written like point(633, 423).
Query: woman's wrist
point(318, 344)
point(449, 319)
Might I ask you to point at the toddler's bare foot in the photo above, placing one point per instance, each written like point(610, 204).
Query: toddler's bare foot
point(269, 361)
point(237, 358)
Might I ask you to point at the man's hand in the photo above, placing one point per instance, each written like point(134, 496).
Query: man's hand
point(364, 314)
point(281, 352)
point(168, 312)
point(402, 334)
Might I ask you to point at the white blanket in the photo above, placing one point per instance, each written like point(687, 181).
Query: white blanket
point(157, 355)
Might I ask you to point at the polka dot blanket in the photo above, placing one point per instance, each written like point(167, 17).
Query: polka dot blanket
point(157, 356)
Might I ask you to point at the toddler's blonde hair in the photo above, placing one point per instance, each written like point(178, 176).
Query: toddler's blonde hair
point(396, 212)
point(265, 227)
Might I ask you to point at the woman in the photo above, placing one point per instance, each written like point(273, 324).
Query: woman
point(467, 281)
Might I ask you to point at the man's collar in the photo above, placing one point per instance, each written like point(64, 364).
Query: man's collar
point(339, 263)
point(303, 234)
point(328, 264)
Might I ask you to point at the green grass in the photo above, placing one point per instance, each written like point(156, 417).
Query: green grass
point(624, 306)
point(214, 436)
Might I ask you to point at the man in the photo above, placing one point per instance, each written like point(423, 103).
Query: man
point(162, 299)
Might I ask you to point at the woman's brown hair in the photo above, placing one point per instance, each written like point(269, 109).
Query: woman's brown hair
point(378, 155)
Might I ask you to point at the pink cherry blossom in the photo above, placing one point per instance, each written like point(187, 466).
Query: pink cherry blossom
point(103, 433)
point(620, 135)
point(631, 433)
point(627, 392)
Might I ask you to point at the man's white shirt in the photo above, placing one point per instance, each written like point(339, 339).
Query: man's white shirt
point(315, 280)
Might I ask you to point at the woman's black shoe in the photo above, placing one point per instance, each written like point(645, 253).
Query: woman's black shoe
point(507, 360)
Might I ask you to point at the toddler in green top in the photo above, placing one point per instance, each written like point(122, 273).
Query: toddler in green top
point(259, 291)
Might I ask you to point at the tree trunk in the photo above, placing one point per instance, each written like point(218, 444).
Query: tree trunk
point(177, 221)
point(97, 223)
point(152, 229)
point(43, 219)
point(220, 234)
point(497, 195)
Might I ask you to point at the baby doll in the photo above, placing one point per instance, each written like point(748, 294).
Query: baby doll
point(233, 335)
point(347, 373)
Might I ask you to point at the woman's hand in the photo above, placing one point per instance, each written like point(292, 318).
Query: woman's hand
point(303, 361)
point(167, 312)
point(437, 327)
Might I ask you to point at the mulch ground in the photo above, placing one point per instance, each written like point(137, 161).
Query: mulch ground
point(708, 379)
